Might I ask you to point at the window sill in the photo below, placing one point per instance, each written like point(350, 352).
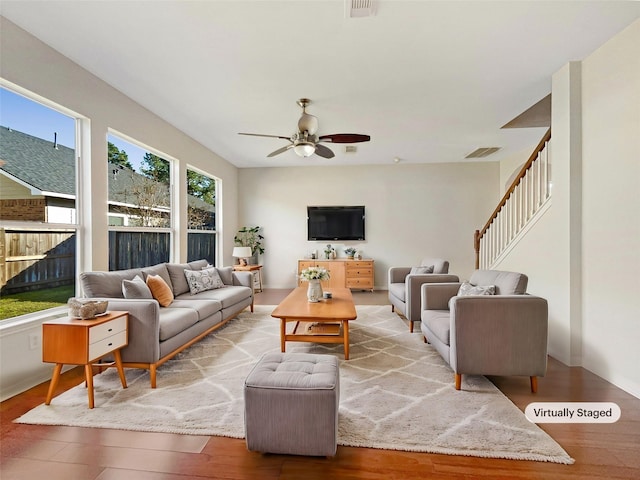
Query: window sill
point(24, 322)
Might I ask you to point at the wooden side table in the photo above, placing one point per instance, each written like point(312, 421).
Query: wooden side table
point(74, 341)
point(256, 270)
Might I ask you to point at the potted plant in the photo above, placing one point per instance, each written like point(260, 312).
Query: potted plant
point(250, 237)
point(350, 252)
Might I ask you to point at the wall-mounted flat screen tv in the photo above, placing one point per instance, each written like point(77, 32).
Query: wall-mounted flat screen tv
point(335, 223)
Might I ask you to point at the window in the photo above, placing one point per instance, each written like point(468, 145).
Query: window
point(139, 205)
point(201, 235)
point(38, 210)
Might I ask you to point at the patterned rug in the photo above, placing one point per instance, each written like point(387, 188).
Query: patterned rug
point(396, 393)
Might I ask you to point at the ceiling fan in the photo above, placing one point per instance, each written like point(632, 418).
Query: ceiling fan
point(305, 142)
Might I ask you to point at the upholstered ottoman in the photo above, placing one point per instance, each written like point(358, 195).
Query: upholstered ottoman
point(291, 404)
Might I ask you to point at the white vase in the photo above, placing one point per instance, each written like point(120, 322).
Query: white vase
point(314, 291)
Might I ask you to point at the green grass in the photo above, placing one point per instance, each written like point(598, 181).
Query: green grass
point(29, 302)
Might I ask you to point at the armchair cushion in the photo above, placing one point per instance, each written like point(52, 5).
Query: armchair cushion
point(507, 283)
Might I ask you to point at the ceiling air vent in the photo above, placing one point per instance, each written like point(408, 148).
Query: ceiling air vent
point(350, 149)
point(359, 8)
point(482, 152)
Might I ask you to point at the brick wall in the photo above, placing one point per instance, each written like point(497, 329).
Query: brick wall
point(32, 210)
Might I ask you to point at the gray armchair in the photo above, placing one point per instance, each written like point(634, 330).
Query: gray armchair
point(404, 286)
point(500, 334)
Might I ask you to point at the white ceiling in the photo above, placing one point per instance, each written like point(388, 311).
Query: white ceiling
point(429, 81)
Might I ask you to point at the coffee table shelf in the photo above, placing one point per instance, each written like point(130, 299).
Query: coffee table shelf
point(325, 315)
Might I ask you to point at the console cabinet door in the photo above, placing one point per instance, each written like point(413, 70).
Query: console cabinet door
point(336, 272)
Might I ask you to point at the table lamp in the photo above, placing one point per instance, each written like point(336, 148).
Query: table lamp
point(242, 253)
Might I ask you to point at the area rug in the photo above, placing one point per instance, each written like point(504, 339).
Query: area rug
point(396, 393)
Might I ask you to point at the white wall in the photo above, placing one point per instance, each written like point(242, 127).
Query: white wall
point(32, 65)
point(611, 220)
point(583, 254)
point(412, 211)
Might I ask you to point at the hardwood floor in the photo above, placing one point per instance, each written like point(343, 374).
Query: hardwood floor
point(606, 451)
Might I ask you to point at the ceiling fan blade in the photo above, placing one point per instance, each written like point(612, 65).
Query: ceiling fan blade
point(324, 151)
point(280, 150)
point(344, 138)
point(261, 135)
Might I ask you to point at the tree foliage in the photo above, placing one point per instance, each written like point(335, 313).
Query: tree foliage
point(118, 157)
point(156, 168)
point(201, 186)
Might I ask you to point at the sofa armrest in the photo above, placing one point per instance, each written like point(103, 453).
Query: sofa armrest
point(413, 286)
point(398, 274)
point(499, 335)
point(143, 328)
point(436, 296)
point(243, 279)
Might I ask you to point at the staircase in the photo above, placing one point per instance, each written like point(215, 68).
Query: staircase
point(523, 202)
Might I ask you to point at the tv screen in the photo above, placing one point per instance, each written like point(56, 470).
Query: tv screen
point(335, 223)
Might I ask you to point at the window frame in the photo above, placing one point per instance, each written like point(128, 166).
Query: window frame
point(81, 155)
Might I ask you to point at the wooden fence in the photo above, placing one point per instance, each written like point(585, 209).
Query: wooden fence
point(35, 260)
point(141, 249)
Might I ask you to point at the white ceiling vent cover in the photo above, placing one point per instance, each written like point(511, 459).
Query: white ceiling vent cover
point(350, 149)
point(359, 8)
point(483, 152)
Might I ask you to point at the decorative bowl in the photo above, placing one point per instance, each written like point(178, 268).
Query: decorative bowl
point(85, 309)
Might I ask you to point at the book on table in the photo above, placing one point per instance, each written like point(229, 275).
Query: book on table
point(318, 328)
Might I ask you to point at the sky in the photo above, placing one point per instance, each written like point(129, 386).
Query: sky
point(27, 116)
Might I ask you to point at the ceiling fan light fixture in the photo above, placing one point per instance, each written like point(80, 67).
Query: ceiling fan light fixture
point(304, 149)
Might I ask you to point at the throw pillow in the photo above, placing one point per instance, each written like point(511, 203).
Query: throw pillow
point(467, 289)
point(226, 275)
point(421, 269)
point(136, 288)
point(202, 280)
point(160, 290)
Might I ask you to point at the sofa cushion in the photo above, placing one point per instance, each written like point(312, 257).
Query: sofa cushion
point(176, 274)
point(507, 283)
point(439, 323)
point(160, 270)
point(176, 320)
point(204, 307)
point(106, 284)
point(227, 295)
point(160, 290)
point(203, 280)
point(226, 274)
point(136, 288)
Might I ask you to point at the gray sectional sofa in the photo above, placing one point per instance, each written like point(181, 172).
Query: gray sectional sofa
point(157, 333)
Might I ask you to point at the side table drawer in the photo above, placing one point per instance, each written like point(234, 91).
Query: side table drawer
point(104, 330)
point(106, 345)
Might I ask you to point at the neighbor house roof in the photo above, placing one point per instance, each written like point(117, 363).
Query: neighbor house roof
point(49, 169)
point(38, 163)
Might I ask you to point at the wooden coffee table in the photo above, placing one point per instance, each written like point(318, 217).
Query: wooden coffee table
point(326, 321)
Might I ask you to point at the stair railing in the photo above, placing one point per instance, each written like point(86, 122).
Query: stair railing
point(529, 192)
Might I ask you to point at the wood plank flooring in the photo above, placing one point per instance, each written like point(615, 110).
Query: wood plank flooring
point(602, 451)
